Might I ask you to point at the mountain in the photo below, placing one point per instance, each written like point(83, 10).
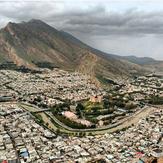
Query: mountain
point(140, 60)
point(148, 63)
point(35, 43)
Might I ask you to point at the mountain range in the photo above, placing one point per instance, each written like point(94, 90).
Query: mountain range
point(36, 44)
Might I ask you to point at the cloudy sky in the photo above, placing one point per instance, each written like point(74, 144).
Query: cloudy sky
point(122, 27)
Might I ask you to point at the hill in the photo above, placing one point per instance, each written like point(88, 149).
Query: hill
point(140, 60)
point(36, 44)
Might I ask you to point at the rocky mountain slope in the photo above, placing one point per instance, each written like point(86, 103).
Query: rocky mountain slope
point(35, 43)
point(149, 64)
point(140, 60)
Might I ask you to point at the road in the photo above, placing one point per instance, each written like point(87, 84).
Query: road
point(47, 117)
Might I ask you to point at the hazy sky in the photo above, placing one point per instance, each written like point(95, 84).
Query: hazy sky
point(122, 27)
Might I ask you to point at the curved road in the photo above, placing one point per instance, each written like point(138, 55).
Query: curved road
point(94, 131)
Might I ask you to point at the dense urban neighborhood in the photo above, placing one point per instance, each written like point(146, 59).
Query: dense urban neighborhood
point(60, 116)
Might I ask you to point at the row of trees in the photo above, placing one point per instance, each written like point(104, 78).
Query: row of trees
point(155, 100)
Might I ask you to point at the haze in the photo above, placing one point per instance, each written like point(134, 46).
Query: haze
point(118, 27)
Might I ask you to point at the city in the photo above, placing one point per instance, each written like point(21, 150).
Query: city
point(81, 81)
point(33, 130)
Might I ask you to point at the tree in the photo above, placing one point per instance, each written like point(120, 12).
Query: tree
point(47, 124)
point(79, 110)
point(58, 131)
point(130, 106)
point(80, 107)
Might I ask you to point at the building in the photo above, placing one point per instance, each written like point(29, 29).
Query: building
point(95, 99)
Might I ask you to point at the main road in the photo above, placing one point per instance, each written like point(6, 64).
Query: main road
point(55, 124)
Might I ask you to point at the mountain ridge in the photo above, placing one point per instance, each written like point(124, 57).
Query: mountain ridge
point(32, 42)
point(141, 60)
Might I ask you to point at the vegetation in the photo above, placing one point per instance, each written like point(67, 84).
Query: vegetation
point(91, 110)
point(59, 108)
point(38, 118)
point(130, 106)
point(105, 80)
point(155, 100)
point(45, 65)
point(88, 106)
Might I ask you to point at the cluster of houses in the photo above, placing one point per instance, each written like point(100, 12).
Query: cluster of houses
point(49, 87)
point(143, 86)
point(23, 140)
